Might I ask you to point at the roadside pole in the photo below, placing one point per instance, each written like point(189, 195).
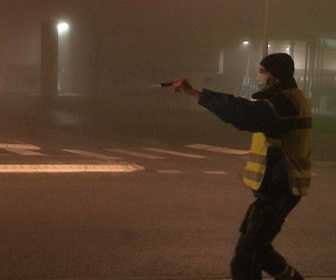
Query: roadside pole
point(49, 67)
point(265, 41)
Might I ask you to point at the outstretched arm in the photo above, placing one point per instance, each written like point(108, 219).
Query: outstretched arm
point(253, 116)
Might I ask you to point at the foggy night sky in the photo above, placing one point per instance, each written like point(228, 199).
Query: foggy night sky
point(299, 14)
point(179, 34)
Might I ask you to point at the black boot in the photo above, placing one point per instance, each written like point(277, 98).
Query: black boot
point(295, 275)
point(292, 274)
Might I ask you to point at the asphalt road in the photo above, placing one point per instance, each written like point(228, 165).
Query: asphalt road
point(177, 218)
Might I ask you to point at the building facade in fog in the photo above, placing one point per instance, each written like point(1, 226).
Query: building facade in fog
point(118, 48)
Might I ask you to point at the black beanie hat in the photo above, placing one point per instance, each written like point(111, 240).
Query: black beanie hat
point(280, 65)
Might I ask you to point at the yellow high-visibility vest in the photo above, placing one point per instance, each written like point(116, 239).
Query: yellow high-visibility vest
point(295, 148)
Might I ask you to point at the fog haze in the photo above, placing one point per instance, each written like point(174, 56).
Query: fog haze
point(143, 42)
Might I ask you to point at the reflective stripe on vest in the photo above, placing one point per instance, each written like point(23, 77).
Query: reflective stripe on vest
point(254, 171)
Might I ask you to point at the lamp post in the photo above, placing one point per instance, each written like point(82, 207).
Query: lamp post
point(246, 79)
point(265, 41)
point(49, 62)
point(247, 71)
point(63, 31)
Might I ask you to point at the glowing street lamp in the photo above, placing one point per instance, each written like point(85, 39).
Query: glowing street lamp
point(63, 27)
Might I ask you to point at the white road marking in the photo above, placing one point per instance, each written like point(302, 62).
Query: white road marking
point(215, 172)
point(24, 152)
point(174, 153)
point(90, 154)
point(22, 149)
point(69, 168)
point(19, 146)
point(169, 171)
point(217, 149)
point(136, 154)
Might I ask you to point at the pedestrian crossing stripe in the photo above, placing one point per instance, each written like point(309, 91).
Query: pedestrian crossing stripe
point(174, 153)
point(217, 149)
point(69, 168)
point(32, 150)
point(215, 172)
point(91, 154)
point(22, 149)
point(24, 152)
point(169, 171)
point(6, 146)
point(136, 154)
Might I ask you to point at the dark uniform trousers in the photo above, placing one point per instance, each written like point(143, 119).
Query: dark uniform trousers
point(254, 252)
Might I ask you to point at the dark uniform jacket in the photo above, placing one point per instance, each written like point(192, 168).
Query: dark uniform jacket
point(263, 115)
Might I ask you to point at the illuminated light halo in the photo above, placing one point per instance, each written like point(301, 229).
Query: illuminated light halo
point(63, 27)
